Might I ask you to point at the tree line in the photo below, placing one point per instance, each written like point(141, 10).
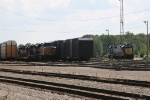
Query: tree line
point(27, 44)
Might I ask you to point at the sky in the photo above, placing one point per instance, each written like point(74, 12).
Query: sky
point(38, 21)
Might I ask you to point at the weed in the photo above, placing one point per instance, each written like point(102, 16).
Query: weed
point(117, 67)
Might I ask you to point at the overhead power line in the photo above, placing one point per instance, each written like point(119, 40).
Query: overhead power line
point(72, 20)
point(67, 31)
point(17, 30)
point(50, 31)
point(129, 28)
point(135, 27)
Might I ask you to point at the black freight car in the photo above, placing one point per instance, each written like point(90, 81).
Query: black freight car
point(68, 50)
point(82, 49)
point(32, 53)
point(59, 49)
point(78, 49)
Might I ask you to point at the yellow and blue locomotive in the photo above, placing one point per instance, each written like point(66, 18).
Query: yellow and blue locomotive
point(121, 52)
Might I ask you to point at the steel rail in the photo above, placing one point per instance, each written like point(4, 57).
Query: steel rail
point(84, 91)
point(59, 88)
point(83, 77)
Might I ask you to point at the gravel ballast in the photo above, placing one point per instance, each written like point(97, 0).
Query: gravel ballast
point(133, 75)
point(116, 87)
point(22, 93)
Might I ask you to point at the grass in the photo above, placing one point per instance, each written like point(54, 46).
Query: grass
point(148, 58)
point(105, 60)
point(117, 67)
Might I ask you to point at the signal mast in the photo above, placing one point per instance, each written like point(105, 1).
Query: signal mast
point(121, 22)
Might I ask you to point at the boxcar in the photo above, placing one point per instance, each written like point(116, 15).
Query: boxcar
point(82, 49)
point(78, 49)
point(0, 51)
point(8, 50)
point(59, 49)
point(68, 49)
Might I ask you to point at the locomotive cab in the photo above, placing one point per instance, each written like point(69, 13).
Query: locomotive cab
point(128, 51)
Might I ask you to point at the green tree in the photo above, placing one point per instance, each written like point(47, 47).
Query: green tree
point(20, 45)
point(37, 43)
point(28, 44)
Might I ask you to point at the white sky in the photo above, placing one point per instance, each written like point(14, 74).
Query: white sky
point(37, 21)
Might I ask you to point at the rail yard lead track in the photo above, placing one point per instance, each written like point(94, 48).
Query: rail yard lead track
point(83, 77)
point(76, 90)
point(73, 89)
point(142, 66)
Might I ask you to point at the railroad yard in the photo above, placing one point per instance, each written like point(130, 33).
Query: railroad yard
point(97, 79)
point(74, 50)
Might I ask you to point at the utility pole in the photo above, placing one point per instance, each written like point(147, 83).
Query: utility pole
point(121, 22)
point(108, 37)
point(101, 48)
point(146, 22)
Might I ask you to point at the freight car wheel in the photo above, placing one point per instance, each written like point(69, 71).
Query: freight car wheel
point(132, 57)
point(80, 60)
point(75, 60)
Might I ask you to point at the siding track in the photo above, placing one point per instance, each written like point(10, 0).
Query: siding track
point(130, 66)
point(83, 77)
point(73, 89)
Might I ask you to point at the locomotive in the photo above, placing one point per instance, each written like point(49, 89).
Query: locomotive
point(121, 52)
point(40, 52)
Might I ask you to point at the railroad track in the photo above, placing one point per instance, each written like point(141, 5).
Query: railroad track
point(101, 66)
point(79, 63)
point(83, 77)
point(117, 65)
point(128, 68)
point(142, 63)
point(73, 89)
